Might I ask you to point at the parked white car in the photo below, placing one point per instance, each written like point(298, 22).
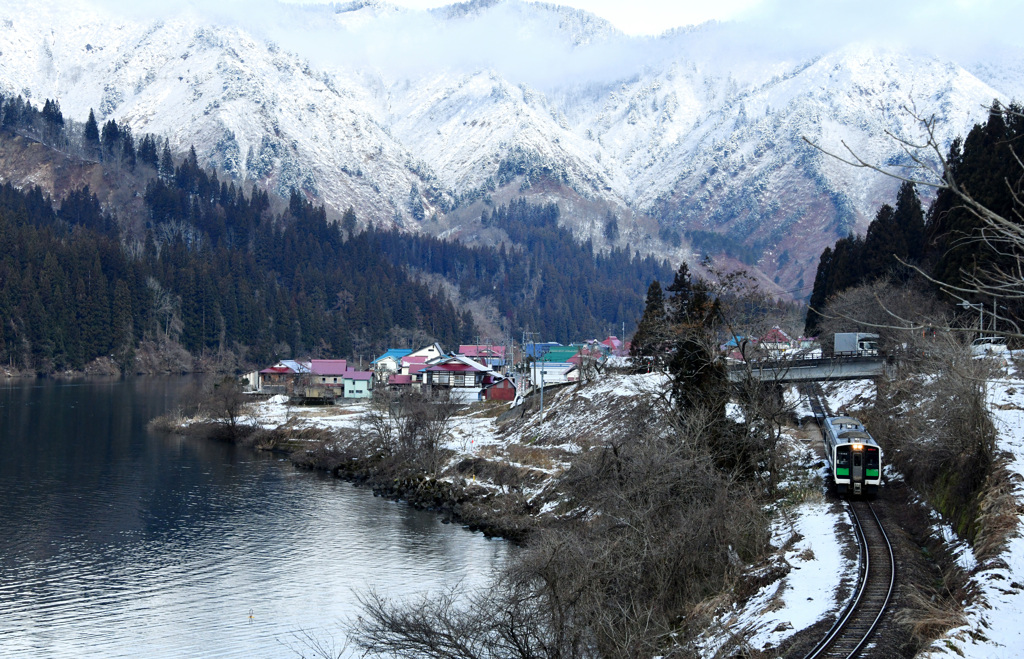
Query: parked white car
point(988, 345)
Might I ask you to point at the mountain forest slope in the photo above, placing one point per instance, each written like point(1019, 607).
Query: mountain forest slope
point(418, 119)
point(195, 272)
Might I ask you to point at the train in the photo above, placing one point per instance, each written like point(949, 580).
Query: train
point(854, 457)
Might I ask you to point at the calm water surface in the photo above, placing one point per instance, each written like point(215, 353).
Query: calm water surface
point(115, 542)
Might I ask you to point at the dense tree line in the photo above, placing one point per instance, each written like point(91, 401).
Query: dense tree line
point(210, 267)
point(547, 281)
point(215, 272)
point(949, 243)
point(894, 237)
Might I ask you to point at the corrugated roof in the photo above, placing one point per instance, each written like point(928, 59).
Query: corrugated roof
point(560, 354)
point(328, 366)
point(476, 351)
point(396, 354)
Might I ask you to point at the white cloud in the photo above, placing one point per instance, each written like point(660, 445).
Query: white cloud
point(525, 45)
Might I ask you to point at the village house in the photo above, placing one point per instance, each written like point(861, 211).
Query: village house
point(333, 379)
point(388, 364)
point(404, 368)
point(775, 343)
point(464, 377)
point(556, 364)
point(489, 355)
point(615, 346)
point(282, 377)
point(537, 350)
point(503, 390)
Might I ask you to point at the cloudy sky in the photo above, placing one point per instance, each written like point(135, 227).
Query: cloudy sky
point(526, 46)
point(652, 17)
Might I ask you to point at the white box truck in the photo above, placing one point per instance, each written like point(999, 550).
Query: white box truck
point(856, 344)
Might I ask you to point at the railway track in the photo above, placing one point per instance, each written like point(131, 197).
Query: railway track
point(877, 577)
point(876, 574)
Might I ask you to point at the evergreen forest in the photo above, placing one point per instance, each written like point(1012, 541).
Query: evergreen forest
point(947, 244)
point(205, 267)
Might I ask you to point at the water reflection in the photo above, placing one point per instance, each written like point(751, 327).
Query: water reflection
point(118, 543)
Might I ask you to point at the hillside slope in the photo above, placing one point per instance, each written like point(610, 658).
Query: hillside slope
point(410, 115)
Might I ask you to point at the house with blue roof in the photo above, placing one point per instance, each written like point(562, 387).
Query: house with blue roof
point(389, 363)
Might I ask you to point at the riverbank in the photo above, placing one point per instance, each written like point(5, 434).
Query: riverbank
point(503, 474)
point(148, 359)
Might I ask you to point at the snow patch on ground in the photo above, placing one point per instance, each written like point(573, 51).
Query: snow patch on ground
point(994, 626)
point(806, 594)
point(574, 419)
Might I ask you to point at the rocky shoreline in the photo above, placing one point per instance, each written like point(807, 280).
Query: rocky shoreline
point(495, 514)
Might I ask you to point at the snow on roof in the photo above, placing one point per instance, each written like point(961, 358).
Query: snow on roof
point(776, 335)
point(287, 366)
point(612, 342)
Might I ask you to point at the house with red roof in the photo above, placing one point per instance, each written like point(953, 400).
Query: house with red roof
point(615, 346)
point(464, 377)
point(282, 377)
point(775, 342)
point(323, 380)
point(490, 355)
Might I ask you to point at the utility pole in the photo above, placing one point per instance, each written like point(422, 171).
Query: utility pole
point(981, 313)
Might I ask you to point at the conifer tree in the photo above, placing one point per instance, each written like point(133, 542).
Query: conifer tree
point(699, 380)
point(649, 340)
point(166, 162)
point(91, 135)
point(110, 137)
point(909, 218)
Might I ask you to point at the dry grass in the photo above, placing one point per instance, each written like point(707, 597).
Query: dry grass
point(930, 616)
point(541, 457)
point(319, 411)
point(999, 512)
point(485, 409)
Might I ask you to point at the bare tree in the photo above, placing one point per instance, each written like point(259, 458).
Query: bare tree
point(407, 425)
point(657, 527)
point(228, 402)
point(1001, 232)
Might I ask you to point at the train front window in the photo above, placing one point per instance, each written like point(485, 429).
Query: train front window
point(842, 461)
point(871, 462)
point(857, 457)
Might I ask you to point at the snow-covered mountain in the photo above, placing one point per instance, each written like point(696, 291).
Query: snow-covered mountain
point(404, 115)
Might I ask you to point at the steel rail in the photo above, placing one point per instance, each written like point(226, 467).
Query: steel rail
point(837, 642)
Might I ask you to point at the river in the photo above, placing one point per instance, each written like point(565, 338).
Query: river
point(117, 542)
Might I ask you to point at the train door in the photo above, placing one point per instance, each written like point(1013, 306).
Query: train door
point(858, 471)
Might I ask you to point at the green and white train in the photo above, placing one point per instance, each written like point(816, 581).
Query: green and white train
point(854, 457)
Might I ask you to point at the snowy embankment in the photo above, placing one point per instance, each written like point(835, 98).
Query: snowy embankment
point(995, 619)
point(798, 587)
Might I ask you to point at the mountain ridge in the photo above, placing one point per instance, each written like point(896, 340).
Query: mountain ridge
point(668, 141)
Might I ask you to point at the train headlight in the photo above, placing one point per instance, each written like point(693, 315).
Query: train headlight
point(858, 447)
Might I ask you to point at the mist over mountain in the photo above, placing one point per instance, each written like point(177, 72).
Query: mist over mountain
point(693, 139)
